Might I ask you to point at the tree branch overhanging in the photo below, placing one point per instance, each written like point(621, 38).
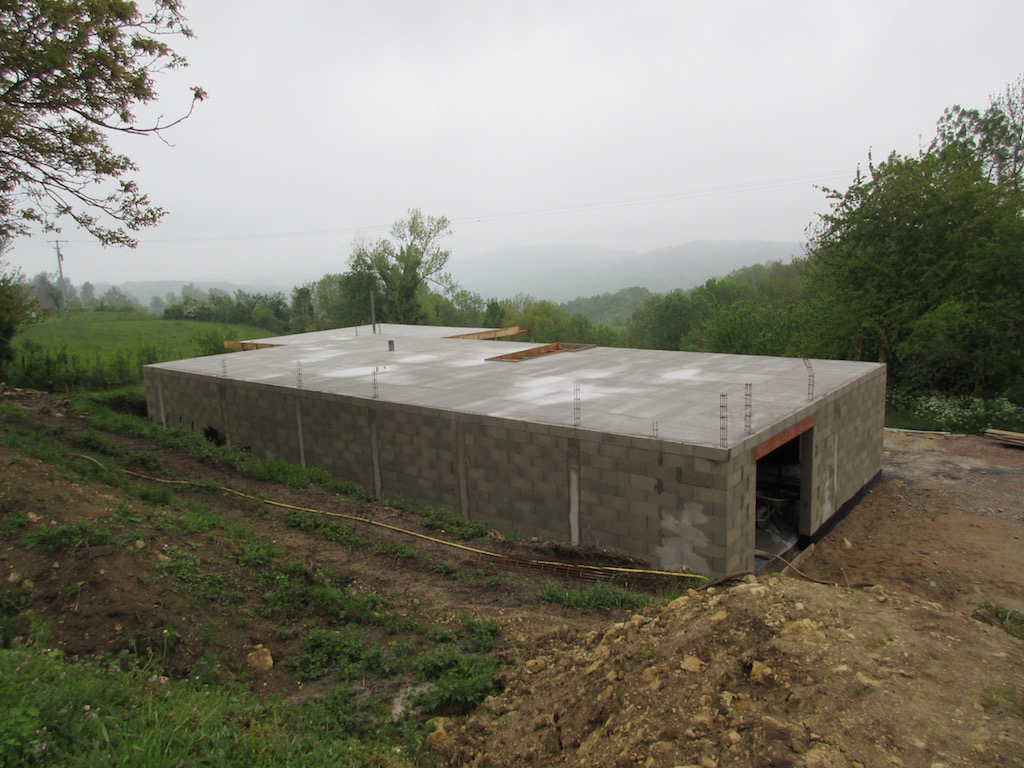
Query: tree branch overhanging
point(73, 73)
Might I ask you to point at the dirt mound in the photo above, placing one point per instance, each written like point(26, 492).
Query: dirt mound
point(779, 672)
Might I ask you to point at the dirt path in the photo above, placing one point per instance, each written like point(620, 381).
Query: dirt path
point(946, 522)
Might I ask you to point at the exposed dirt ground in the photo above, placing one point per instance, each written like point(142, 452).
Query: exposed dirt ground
point(883, 665)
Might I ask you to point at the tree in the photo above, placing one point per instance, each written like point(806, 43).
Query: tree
point(401, 268)
point(920, 249)
point(17, 307)
point(73, 73)
point(662, 321)
point(116, 300)
point(494, 314)
point(46, 289)
point(89, 295)
point(995, 136)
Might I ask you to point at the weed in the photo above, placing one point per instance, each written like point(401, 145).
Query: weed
point(398, 501)
point(93, 441)
point(186, 569)
point(600, 597)
point(56, 713)
point(493, 576)
point(65, 538)
point(11, 411)
point(124, 514)
point(13, 599)
point(1010, 620)
point(200, 518)
point(310, 522)
point(155, 495)
point(445, 520)
point(254, 553)
point(327, 649)
point(71, 591)
point(445, 569)
point(478, 635)
point(451, 572)
point(380, 661)
point(460, 682)
point(395, 549)
point(11, 520)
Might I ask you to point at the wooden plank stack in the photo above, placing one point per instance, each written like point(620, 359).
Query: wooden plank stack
point(1007, 438)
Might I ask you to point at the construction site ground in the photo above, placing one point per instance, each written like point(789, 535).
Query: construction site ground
point(880, 652)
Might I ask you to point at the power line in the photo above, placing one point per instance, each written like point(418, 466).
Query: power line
point(627, 202)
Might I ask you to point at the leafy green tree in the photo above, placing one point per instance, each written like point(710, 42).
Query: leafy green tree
point(924, 245)
point(995, 136)
point(494, 314)
point(73, 73)
point(542, 322)
point(457, 307)
point(17, 307)
point(116, 300)
point(46, 289)
point(662, 321)
point(302, 317)
point(402, 268)
point(89, 296)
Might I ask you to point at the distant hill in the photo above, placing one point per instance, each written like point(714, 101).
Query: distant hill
point(561, 273)
point(614, 309)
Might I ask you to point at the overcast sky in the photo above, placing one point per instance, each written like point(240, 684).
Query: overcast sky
point(631, 125)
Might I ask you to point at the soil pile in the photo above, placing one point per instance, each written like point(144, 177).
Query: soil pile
point(776, 672)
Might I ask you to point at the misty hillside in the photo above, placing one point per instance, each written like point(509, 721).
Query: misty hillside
point(144, 290)
point(560, 273)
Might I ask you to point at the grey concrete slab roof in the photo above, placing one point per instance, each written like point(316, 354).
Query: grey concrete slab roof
point(622, 391)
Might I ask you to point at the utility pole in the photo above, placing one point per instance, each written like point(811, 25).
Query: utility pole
point(60, 271)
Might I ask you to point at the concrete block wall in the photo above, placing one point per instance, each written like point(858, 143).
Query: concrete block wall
point(848, 439)
point(417, 454)
point(336, 437)
point(661, 501)
point(668, 503)
point(517, 477)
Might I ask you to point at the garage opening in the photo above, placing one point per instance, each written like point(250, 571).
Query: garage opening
point(783, 492)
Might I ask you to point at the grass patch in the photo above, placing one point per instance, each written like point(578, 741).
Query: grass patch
point(155, 495)
point(12, 517)
point(1010, 620)
point(446, 521)
point(124, 514)
point(188, 572)
point(315, 524)
point(600, 597)
point(460, 682)
point(56, 713)
point(395, 550)
point(254, 553)
point(200, 518)
point(65, 538)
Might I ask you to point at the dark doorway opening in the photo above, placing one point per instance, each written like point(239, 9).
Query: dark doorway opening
point(782, 498)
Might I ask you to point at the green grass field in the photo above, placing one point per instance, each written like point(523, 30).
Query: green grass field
point(88, 334)
point(102, 350)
